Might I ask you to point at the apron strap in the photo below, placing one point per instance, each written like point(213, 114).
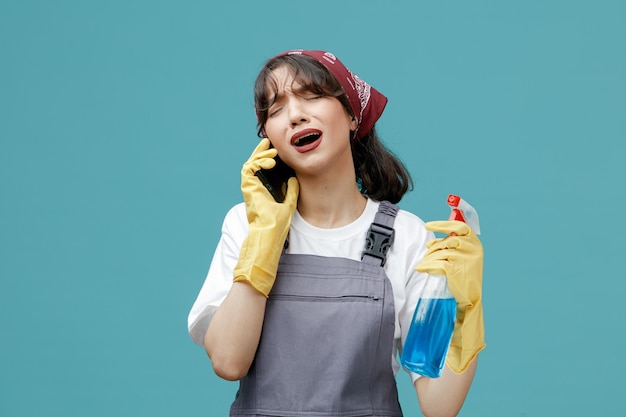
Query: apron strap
point(380, 235)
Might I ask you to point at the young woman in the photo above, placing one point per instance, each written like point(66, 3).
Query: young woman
point(308, 301)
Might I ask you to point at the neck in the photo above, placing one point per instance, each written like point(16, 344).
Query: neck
point(330, 203)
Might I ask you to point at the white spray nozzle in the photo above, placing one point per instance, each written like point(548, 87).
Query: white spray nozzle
point(463, 211)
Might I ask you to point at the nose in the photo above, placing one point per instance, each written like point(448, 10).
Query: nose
point(297, 112)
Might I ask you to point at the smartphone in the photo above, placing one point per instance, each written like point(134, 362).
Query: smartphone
point(275, 179)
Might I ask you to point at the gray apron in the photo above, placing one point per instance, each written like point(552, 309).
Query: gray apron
point(327, 339)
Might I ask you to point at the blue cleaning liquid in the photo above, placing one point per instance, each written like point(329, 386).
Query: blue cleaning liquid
point(429, 336)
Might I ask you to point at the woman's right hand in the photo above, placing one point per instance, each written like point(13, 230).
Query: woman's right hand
point(268, 221)
point(261, 208)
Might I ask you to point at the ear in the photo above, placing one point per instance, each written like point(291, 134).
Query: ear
point(353, 124)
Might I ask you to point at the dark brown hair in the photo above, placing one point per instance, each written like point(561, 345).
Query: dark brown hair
point(380, 174)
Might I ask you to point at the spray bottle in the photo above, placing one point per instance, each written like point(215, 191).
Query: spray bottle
point(431, 329)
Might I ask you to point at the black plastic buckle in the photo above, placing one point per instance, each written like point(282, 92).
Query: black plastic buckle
point(379, 240)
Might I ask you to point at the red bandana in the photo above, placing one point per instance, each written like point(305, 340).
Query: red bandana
point(366, 102)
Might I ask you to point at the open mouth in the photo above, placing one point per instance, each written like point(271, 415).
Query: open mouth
point(307, 139)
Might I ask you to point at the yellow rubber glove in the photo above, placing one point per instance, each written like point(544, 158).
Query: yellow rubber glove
point(268, 221)
point(460, 258)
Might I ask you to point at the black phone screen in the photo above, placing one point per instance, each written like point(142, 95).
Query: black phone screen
point(275, 179)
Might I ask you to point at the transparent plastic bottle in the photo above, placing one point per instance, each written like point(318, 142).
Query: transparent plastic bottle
point(430, 333)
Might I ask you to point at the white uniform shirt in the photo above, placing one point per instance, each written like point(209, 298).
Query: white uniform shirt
point(408, 249)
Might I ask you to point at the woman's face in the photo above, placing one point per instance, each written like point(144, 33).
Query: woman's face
point(308, 130)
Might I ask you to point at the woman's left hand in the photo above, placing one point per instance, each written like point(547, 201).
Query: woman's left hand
point(459, 256)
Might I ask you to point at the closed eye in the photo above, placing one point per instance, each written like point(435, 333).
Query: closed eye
point(273, 111)
point(307, 95)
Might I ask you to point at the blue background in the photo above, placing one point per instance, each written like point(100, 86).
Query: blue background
point(123, 126)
